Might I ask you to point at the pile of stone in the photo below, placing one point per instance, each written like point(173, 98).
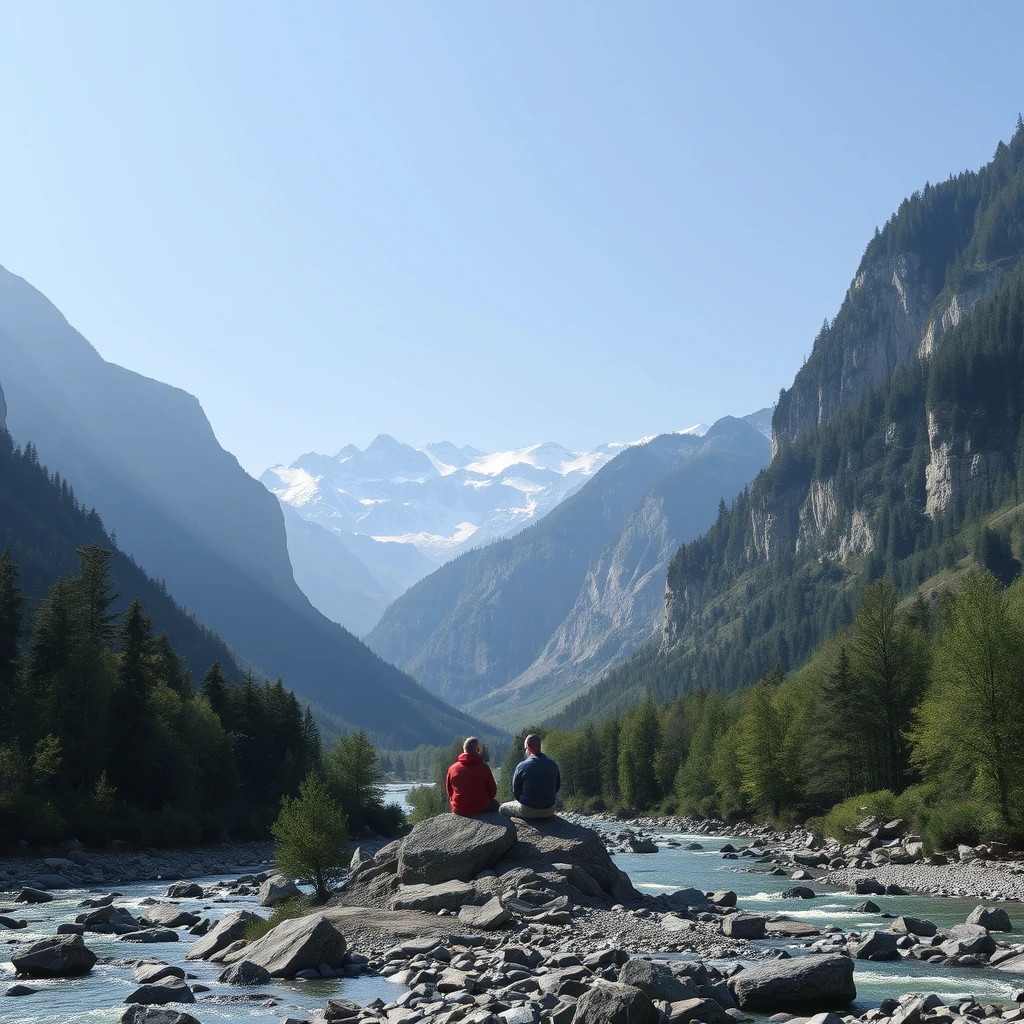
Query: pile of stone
point(477, 979)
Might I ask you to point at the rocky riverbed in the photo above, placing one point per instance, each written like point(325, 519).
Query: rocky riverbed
point(489, 921)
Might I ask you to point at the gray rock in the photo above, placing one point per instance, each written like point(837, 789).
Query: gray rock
point(491, 916)
point(875, 946)
point(612, 1003)
point(10, 922)
point(63, 956)
point(245, 972)
point(221, 935)
point(185, 891)
point(723, 898)
point(798, 892)
point(810, 858)
point(276, 889)
point(868, 907)
point(452, 846)
point(170, 990)
point(54, 881)
point(697, 1008)
point(432, 898)
point(642, 846)
point(656, 981)
point(967, 940)
point(21, 990)
point(32, 895)
point(744, 926)
point(868, 887)
point(151, 1015)
point(912, 926)
point(167, 915)
point(151, 935)
point(148, 973)
point(299, 944)
point(796, 984)
point(995, 919)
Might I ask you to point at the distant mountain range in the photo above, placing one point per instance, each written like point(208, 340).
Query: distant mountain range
point(394, 513)
point(516, 629)
point(144, 455)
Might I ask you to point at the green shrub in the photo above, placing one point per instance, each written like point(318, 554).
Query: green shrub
point(841, 822)
point(299, 906)
point(966, 821)
point(427, 801)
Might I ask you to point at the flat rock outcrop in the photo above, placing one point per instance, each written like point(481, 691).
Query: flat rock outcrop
point(453, 847)
point(221, 935)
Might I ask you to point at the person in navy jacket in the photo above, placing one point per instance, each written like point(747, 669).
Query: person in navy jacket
point(535, 784)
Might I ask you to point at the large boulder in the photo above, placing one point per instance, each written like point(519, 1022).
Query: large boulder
point(185, 891)
point(276, 889)
point(168, 915)
point(656, 981)
point(31, 895)
point(491, 916)
point(63, 956)
point(136, 1014)
point(169, 990)
point(297, 945)
point(793, 986)
point(611, 1003)
point(995, 919)
point(913, 926)
point(221, 935)
point(875, 946)
point(453, 846)
point(744, 926)
point(245, 972)
point(544, 842)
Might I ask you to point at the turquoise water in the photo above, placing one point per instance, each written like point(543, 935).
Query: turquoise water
point(758, 891)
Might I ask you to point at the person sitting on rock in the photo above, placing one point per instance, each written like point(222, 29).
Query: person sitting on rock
point(535, 784)
point(470, 784)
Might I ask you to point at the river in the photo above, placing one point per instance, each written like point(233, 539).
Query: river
point(758, 891)
point(97, 998)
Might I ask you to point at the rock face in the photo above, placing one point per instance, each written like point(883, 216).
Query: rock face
point(487, 918)
point(276, 889)
point(184, 891)
point(612, 1003)
point(803, 983)
point(995, 919)
point(63, 956)
point(744, 926)
point(245, 972)
point(432, 898)
point(221, 935)
point(297, 945)
point(450, 847)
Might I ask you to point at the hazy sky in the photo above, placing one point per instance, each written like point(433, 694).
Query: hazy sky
point(491, 223)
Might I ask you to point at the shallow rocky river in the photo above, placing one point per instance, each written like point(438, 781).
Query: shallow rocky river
point(759, 891)
point(99, 996)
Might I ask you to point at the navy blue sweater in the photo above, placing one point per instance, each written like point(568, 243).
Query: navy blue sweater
point(536, 781)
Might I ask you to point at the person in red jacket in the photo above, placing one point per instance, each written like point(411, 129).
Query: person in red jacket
point(470, 784)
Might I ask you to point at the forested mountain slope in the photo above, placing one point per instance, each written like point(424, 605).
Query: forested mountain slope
point(143, 454)
point(481, 621)
point(43, 524)
point(898, 472)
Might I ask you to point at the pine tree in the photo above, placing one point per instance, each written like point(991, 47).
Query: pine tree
point(214, 689)
point(356, 776)
point(95, 589)
point(638, 744)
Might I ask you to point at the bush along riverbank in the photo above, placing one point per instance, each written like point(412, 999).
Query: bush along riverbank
point(490, 921)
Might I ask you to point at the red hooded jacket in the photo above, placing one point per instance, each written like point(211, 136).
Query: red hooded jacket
point(470, 785)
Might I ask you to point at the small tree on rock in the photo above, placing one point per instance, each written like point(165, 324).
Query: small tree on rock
point(311, 833)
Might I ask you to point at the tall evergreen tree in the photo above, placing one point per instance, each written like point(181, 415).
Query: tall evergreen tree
point(214, 689)
point(11, 603)
point(97, 594)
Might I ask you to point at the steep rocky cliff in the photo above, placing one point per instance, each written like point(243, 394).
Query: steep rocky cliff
point(900, 435)
point(942, 252)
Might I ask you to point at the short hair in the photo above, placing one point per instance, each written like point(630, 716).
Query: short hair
point(471, 744)
point(533, 742)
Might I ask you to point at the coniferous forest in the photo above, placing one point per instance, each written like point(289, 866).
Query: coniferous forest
point(106, 732)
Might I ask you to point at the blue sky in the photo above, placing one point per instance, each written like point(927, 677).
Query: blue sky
point(489, 223)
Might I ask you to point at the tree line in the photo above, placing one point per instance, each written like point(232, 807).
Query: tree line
point(916, 709)
point(103, 734)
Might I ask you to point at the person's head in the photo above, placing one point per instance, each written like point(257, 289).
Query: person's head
point(532, 744)
point(471, 746)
